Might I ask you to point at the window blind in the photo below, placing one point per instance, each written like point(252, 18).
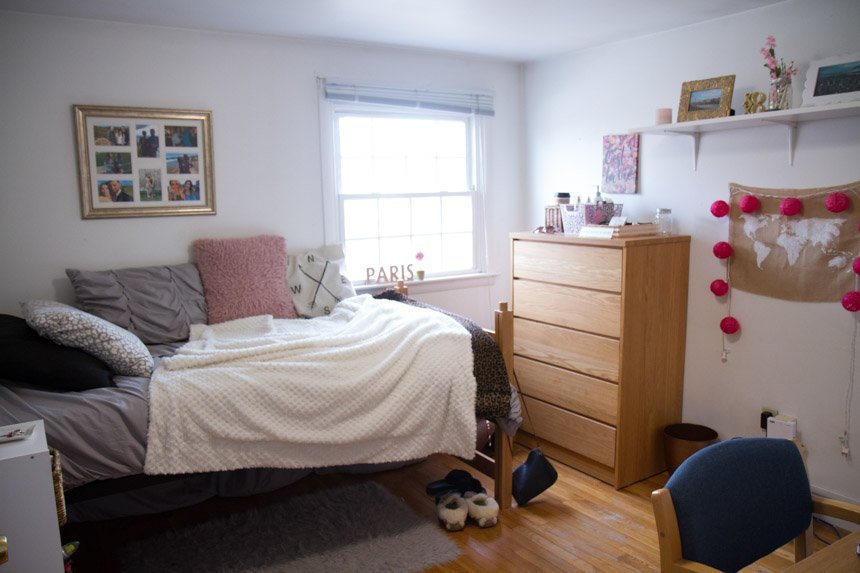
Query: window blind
point(460, 102)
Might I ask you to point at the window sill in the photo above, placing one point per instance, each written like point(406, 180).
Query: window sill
point(437, 284)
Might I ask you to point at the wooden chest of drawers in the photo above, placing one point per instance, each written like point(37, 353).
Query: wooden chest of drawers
point(599, 331)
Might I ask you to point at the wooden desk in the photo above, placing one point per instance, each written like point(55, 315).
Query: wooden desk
point(840, 557)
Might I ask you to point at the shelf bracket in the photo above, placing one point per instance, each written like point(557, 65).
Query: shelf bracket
point(696, 135)
point(792, 139)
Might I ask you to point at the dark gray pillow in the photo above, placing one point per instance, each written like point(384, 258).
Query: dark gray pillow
point(155, 303)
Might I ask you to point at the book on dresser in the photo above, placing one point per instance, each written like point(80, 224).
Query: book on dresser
point(599, 334)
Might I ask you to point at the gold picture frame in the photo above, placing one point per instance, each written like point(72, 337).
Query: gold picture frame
point(144, 162)
point(705, 99)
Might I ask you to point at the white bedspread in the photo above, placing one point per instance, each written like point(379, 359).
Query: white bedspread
point(375, 381)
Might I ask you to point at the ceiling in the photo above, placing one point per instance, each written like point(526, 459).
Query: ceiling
point(519, 30)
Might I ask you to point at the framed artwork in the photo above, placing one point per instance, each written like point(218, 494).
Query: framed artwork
point(620, 163)
point(705, 99)
point(833, 80)
point(144, 162)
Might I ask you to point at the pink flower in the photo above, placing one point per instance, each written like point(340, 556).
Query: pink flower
point(419, 256)
point(770, 42)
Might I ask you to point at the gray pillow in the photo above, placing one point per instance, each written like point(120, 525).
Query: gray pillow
point(156, 303)
point(69, 326)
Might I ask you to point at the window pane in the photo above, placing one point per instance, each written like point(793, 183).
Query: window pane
point(457, 251)
point(356, 136)
point(360, 218)
point(361, 254)
point(394, 218)
point(431, 246)
point(356, 176)
point(456, 214)
point(426, 215)
point(453, 175)
point(389, 174)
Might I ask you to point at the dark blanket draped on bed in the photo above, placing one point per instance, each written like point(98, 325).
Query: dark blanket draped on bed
point(493, 398)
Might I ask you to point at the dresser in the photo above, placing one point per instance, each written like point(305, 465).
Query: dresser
point(28, 509)
point(599, 333)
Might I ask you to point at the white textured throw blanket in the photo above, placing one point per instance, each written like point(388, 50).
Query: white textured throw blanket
point(375, 381)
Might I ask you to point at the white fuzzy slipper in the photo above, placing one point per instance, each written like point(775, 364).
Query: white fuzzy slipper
point(482, 508)
point(452, 511)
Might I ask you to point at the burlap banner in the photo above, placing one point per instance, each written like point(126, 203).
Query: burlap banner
point(805, 257)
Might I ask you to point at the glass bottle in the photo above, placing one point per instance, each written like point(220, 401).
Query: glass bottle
point(663, 220)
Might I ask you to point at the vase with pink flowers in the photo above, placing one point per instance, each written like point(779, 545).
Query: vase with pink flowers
point(779, 95)
point(419, 272)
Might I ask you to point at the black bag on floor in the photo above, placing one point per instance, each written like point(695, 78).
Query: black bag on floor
point(532, 477)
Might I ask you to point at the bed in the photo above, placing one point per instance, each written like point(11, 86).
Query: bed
point(106, 435)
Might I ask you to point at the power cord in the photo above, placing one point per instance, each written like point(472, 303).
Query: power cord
point(833, 527)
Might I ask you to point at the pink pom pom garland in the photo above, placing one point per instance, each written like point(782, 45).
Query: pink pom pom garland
point(851, 301)
point(719, 208)
point(723, 250)
point(856, 265)
point(749, 204)
point(837, 202)
point(719, 287)
point(790, 206)
point(730, 325)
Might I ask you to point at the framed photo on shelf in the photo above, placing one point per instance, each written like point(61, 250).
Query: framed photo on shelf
point(144, 162)
point(705, 99)
point(833, 80)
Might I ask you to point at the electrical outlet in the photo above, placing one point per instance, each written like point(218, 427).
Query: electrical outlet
point(766, 412)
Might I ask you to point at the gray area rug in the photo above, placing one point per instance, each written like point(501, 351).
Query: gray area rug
point(356, 528)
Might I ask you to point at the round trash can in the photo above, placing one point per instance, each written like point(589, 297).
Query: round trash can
point(683, 440)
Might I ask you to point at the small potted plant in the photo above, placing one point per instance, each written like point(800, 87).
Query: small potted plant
point(419, 272)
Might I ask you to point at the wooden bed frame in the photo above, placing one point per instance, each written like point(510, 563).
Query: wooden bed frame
point(499, 467)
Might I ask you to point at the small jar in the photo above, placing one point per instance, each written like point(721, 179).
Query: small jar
point(562, 198)
point(663, 219)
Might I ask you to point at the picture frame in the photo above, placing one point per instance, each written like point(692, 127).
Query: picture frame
point(144, 162)
point(832, 80)
point(706, 99)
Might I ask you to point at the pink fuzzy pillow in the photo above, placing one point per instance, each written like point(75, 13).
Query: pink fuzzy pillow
point(244, 277)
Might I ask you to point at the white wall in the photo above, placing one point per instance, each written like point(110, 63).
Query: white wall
point(262, 92)
point(792, 356)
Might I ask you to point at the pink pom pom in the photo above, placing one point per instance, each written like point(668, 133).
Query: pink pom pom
point(837, 202)
point(790, 206)
point(719, 208)
point(723, 250)
point(857, 265)
point(720, 287)
point(749, 204)
point(851, 301)
point(730, 324)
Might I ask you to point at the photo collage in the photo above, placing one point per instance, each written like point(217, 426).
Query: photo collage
point(141, 162)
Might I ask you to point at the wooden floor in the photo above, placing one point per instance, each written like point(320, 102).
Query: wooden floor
point(580, 524)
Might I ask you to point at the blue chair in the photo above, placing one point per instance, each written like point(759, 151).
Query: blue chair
point(734, 502)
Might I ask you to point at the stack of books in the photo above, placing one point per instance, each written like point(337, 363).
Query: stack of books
point(628, 231)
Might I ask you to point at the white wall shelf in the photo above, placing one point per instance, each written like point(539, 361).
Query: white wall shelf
point(789, 118)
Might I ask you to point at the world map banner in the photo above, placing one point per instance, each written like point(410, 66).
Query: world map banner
point(806, 257)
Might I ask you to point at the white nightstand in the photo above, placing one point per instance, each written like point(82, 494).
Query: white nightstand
point(28, 512)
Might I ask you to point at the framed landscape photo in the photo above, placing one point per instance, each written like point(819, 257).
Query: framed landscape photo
point(144, 162)
point(833, 80)
point(705, 99)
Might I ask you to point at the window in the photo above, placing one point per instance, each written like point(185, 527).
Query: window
point(403, 180)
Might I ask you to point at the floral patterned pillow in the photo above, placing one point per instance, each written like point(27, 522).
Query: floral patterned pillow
point(66, 325)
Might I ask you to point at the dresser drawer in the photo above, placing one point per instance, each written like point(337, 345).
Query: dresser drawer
point(575, 265)
point(569, 390)
point(580, 351)
point(587, 310)
point(571, 431)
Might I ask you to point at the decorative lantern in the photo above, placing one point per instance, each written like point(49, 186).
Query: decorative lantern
point(730, 324)
point(851, 301)
point(749, 204)
point(790, 206)
point(723, 250)
point(837, 202)
point(720, 287)
point(719, 208)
